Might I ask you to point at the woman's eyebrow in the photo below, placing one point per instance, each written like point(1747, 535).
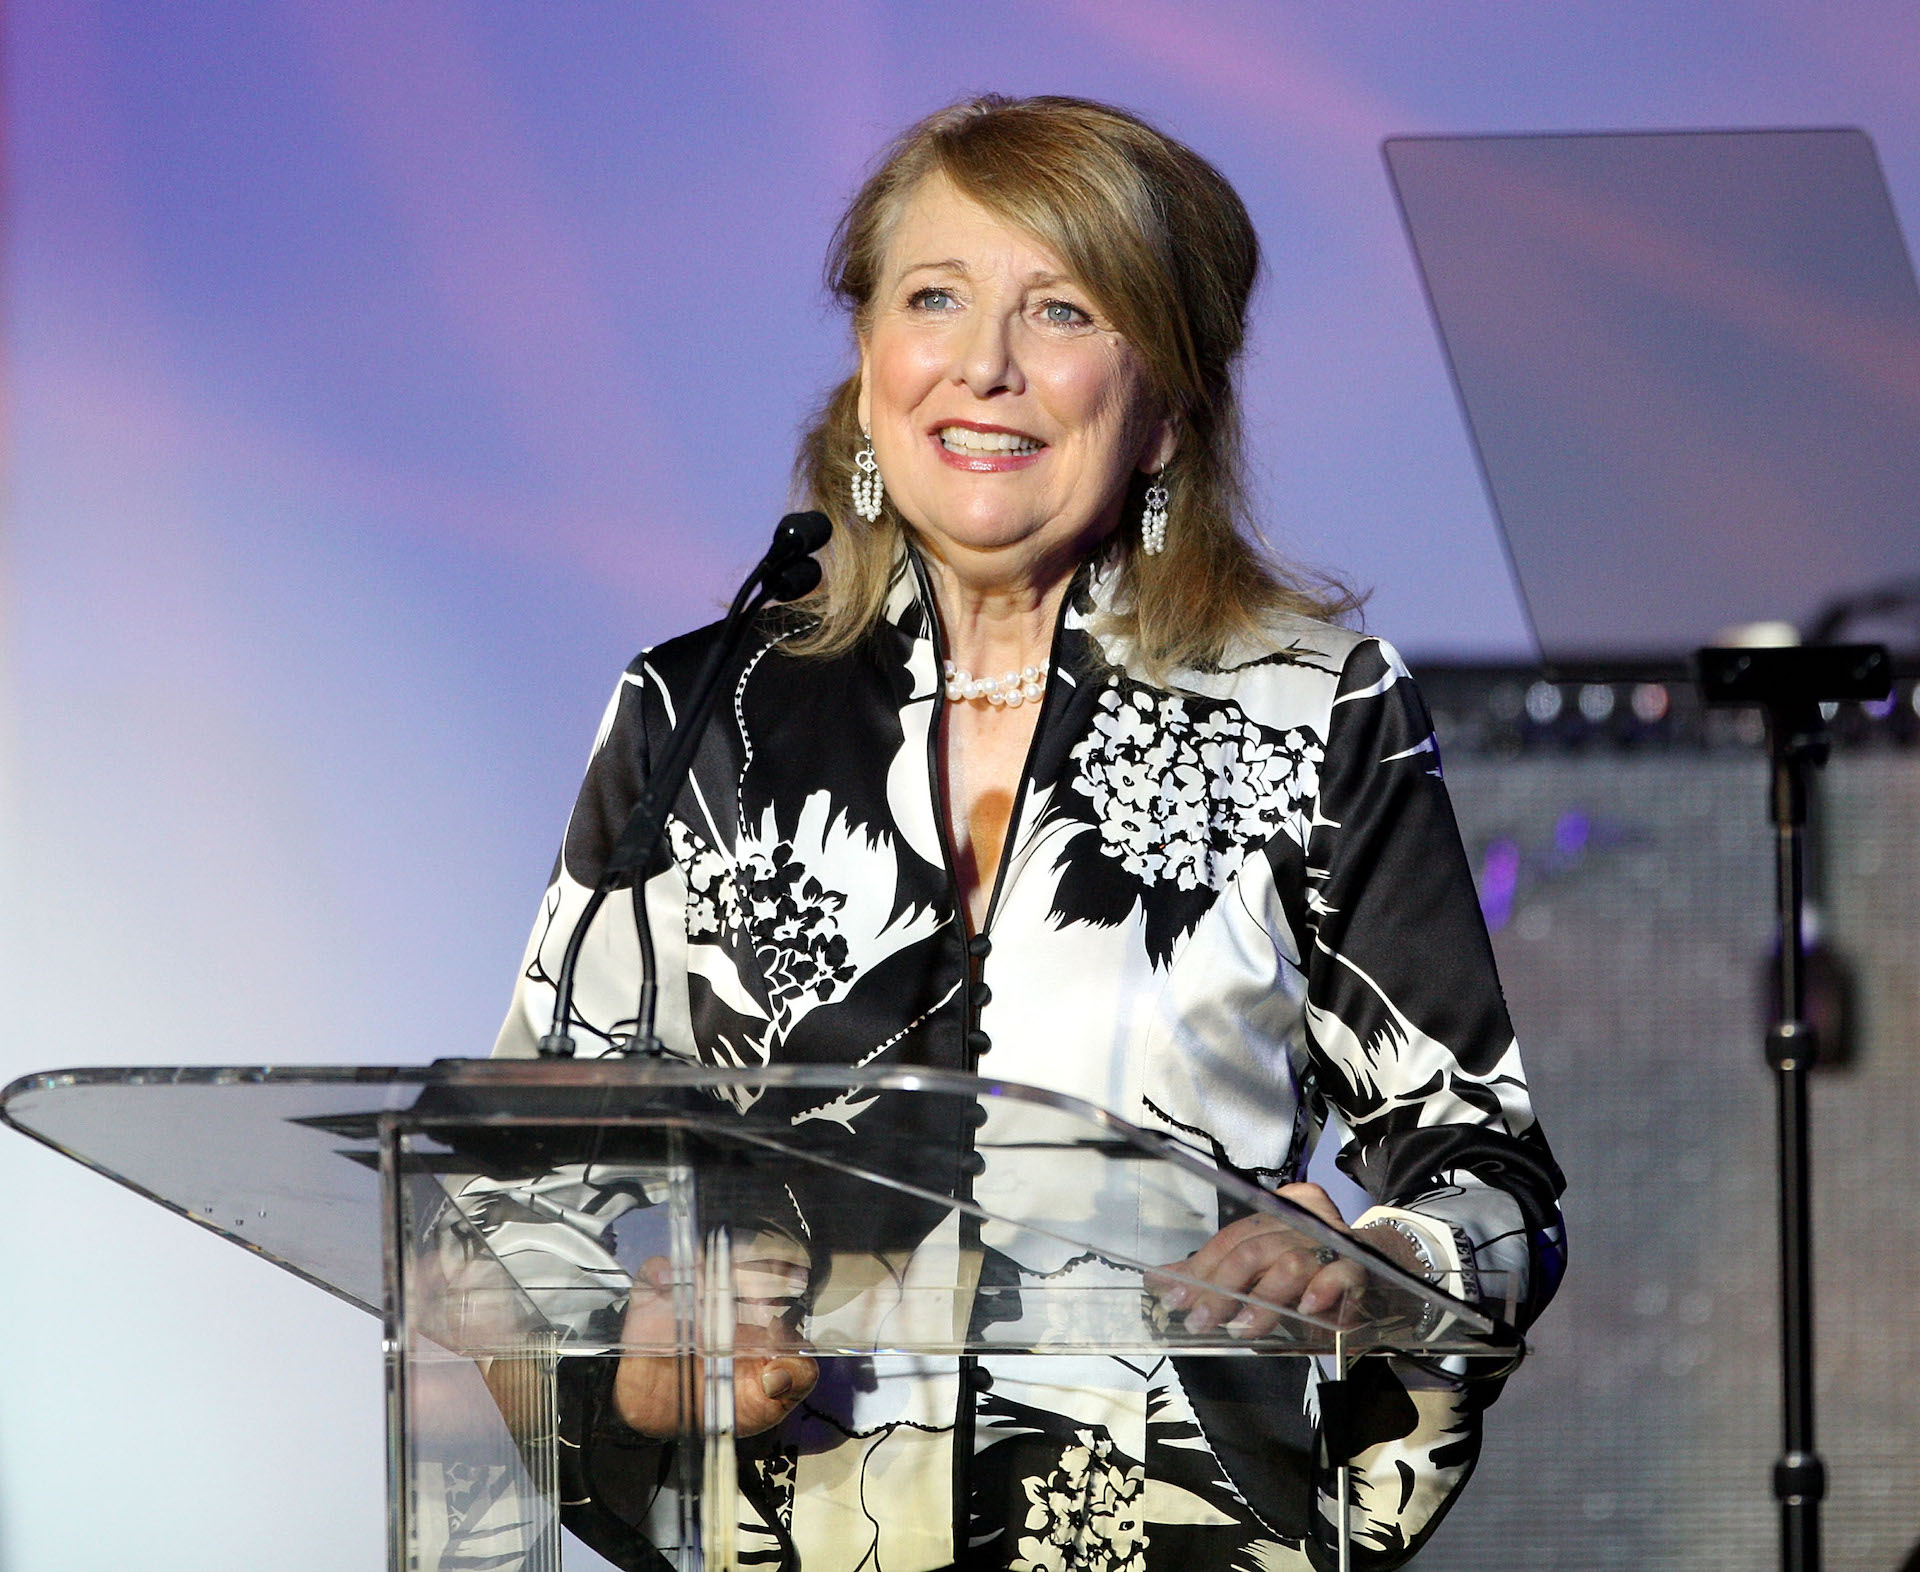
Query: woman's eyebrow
point(1041, 279)
point(950, 265)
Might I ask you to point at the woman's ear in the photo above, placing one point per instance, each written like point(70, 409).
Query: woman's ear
point(864, 404)
point(1163, 437)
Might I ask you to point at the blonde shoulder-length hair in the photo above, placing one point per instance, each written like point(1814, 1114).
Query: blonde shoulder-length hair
point(1165, 246)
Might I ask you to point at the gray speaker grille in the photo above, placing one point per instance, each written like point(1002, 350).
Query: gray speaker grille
point(1642, 1432)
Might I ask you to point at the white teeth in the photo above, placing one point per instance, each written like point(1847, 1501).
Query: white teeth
point(960, 440)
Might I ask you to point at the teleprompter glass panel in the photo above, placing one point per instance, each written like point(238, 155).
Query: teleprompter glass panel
point(1690, 364)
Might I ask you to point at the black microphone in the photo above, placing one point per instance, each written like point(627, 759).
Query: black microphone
point(798, 535)
point(786, 572)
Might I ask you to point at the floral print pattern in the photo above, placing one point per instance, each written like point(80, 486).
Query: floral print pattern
point(782, 910)
point(1230, 901)
point(1182, 788)
point(1085, 1514)
point(713, 901)
point(791, 918)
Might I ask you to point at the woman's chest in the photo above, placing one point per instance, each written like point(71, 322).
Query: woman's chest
point(1096, 905)
point(983, 758)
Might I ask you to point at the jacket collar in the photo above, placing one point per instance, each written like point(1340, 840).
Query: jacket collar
point(909, 605)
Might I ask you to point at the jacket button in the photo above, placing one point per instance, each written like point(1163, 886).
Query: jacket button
point(979, 946)
point(981, 1378)
point(982, 997)
point(978, 1043)
point(973, 1163)
point(977, 1113)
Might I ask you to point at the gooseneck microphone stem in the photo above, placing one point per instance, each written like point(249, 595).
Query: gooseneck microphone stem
point(643, 1039)
point(786, 572)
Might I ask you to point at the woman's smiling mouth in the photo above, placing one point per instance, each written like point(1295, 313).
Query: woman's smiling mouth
point(985, 447)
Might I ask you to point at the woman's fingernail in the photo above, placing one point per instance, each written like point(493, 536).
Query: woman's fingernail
point(1178, 1297)
point(1241, 1324)
point(1200, 1320)
point(776, 1382)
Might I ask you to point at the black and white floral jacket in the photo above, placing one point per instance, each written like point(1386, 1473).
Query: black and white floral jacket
point(1230, 902)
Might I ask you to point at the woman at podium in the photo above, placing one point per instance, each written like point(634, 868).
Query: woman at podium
point(1059, 778)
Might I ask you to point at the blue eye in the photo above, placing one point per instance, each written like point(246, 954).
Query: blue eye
point(931, 300)
point(1061, 314)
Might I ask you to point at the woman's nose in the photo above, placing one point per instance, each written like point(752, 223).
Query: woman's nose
point(985, 359)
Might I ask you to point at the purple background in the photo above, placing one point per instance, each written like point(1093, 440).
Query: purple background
point(382, 376)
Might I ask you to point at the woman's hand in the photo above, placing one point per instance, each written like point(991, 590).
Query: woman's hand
point(1262, 1257)
point(768, 1384)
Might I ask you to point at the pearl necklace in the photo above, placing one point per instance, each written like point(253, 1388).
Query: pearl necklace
point(1025, 686)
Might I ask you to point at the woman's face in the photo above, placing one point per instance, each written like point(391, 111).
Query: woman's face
point(1005, 411)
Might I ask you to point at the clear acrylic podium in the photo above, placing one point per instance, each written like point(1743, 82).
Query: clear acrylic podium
point(507, 1217)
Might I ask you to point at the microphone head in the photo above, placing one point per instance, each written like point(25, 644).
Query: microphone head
point(802, 534)
point(796, 578)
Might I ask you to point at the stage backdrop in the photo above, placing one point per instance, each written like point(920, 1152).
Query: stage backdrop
point(1626, 870)
point(382, 376)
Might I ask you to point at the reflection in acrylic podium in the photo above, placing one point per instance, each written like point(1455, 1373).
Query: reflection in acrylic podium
point(523, 1225)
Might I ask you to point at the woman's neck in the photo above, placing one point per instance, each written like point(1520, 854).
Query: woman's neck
point(995, 624)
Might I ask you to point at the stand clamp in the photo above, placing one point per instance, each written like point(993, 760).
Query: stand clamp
point(1799, 1479)
point(1792, 1045)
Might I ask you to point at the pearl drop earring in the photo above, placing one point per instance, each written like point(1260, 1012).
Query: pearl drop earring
point(1153, 522)
point(868, 491)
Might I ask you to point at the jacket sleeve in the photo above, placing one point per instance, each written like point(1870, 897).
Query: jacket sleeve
point(607, 987)
point(1406, 1035)
point(609, 1477)
point(1407, 1028)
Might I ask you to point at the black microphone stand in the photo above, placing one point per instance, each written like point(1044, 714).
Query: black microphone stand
point(1790, 685)
point(786, 572)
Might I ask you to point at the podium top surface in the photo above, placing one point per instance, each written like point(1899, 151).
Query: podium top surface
point(951, 1188)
